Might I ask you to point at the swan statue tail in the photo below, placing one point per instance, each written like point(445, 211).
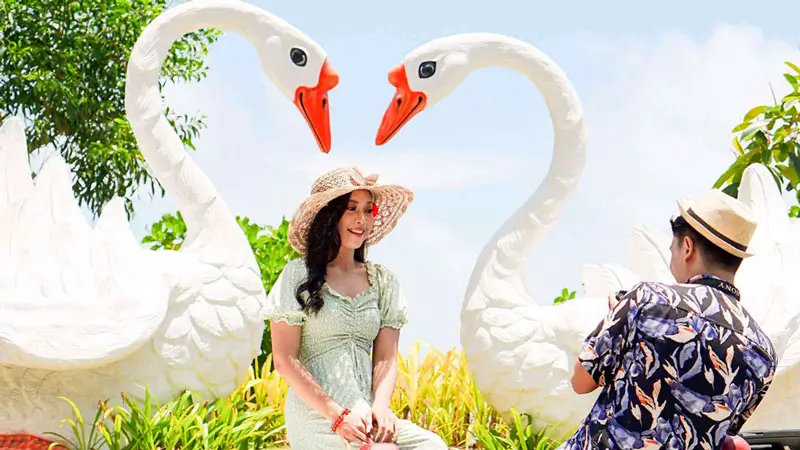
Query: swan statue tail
point(766, 281)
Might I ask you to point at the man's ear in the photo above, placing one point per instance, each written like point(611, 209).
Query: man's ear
point(688, 248)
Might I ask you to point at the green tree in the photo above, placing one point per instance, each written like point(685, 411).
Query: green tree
point(62, 68)
point(270, 246)
point(769, 135)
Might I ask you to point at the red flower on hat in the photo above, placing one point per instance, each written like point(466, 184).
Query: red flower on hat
point(374, 210)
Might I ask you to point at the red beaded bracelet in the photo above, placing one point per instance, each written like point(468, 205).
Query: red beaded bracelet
point(339, 420)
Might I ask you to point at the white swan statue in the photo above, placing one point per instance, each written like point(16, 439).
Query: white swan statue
point(765, 280)
point(520, 353)
point(88, 313)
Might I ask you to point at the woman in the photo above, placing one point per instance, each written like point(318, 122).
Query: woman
point(331, 308)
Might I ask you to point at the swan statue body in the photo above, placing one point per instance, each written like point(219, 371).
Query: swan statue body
point(87, 313)
point(765, 281)
point(520, 353)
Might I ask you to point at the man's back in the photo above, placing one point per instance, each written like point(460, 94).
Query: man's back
point(681, 366)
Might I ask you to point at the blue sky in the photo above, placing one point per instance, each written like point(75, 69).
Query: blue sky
point(662, 85)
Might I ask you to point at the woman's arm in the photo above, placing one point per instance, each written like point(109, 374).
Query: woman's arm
point(285, 351)
point(384, 365)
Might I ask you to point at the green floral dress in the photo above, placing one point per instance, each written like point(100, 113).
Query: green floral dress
point(336, 347)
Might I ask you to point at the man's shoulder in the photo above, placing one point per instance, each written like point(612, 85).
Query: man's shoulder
point(667, 292)
point(644, 291)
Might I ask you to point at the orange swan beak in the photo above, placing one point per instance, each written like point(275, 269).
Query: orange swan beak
point(313, 105)
point(405, 105)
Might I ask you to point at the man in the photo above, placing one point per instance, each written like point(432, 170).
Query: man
point(680, 366)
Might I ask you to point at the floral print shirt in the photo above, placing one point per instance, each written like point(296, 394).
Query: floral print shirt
point(680, 367)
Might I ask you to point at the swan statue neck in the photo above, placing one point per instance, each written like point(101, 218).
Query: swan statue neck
point(171, 165)
point(505, 254)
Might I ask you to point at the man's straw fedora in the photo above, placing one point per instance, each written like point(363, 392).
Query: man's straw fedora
point(725, 221)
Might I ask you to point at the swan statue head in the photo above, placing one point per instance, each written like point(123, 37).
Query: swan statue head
point(300, 69)
point(425, 76)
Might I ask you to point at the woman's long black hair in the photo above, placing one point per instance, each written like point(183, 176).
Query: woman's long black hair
point(323, 246)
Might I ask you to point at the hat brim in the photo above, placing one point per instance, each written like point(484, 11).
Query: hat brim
point(708, 233)
point(392, 201)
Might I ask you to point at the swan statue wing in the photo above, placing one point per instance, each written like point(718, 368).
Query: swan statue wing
point(602, 280)
point(72, 297)
point(766, 279)
point(649, 253)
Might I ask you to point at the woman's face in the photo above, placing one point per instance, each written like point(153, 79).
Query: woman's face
point(356, 222)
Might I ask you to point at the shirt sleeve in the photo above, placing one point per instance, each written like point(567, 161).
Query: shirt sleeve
point(739, 420)
point(603, 349)
point(281, 305)
point(392, 301)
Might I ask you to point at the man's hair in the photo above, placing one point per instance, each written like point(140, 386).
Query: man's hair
point(712, 254)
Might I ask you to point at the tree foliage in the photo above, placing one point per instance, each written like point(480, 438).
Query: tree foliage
point(62, 68)
point(270, 246)
point(769, 135)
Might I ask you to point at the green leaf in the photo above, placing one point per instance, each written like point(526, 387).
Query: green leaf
point(754, 112)
point(566, 294)
point(792, 175)
point(740, 127)
point(732, 190)
point(735, 169)
point(752, 129)
point(793, 103)
point(793, 67)
point(792, 80)
point(766, 158)
point(737, 146)
point(795, 162)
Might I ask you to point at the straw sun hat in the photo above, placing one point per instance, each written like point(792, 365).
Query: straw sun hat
point(725, 221)
point(391, 200)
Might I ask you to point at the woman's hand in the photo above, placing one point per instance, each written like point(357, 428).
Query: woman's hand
point(353, 429)
point(384, 424)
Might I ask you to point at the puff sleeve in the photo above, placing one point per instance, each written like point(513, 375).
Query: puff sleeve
point(281, 305)
point(392, 301)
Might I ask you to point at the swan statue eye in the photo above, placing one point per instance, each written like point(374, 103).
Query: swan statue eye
point(427, 69)
point(298, 56)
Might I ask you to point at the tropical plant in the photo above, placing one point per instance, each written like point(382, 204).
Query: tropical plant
point(520, 435)
point(566, 294)
point(233, 422)
point(769, 135)
point(435, 391)
point(62, 68)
